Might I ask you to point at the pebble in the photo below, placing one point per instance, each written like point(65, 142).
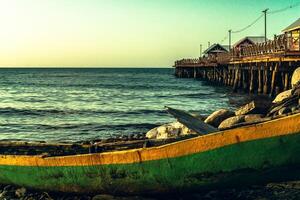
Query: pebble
point(20, 192)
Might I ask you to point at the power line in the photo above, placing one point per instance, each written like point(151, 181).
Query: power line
point(284, 9)
point(258, 18)
point(248, 26)
point(271, 12)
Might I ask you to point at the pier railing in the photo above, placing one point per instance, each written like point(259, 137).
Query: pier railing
point(190, 62)
point(281, 44)
point(278, 45)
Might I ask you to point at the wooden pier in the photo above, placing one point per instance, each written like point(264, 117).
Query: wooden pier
point(264, 67)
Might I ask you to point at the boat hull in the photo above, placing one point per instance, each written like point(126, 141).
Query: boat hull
point(243, 156)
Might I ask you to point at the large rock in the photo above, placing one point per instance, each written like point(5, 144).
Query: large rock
point(254, 107)
point(253, 118)
point(152, 134)
point(227, 123)
point(186, 131)
point(165, 131)
point(282, 96)
point(296, 77)
point(296, 89)
point(218, 116)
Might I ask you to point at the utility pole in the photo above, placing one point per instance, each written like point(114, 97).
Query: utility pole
point(265, 13)
point(200, 50)
point(229, 38)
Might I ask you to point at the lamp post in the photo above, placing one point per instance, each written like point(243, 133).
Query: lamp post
point(265, 13)
point(229, 38)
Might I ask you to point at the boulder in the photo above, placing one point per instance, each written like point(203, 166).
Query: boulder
point(152, 134)
point(165, 131)
point(296, 77)
point(218, 116)
point(253, 117)
point(186, 131)
point(282, 96)
point(254, 107)
point(227, 123)
point(162, 132)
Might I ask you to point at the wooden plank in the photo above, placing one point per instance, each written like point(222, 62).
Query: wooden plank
point(191, 122)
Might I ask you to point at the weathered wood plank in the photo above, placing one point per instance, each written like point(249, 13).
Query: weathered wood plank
point(191, 122)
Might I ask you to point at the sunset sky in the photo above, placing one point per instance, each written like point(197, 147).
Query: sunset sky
point(125, 33)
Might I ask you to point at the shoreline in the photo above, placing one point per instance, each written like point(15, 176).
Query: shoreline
point(280, 191)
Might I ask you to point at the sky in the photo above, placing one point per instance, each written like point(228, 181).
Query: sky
point(126, 33)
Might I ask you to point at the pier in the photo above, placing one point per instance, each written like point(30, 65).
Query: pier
point(253, 64)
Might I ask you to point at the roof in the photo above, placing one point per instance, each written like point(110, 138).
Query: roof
point(253, 39)
point(293, 26)
point(216, 48)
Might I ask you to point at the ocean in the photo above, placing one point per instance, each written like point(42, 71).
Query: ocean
point(69, 105)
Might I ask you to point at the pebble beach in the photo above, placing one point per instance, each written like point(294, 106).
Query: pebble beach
point(271, 191)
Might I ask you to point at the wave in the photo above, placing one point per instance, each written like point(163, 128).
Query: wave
point(80, 127)
point(47, 112)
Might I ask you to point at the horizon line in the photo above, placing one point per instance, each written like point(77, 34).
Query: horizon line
point(82, 67)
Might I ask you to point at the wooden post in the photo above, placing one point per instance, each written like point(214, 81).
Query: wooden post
point(240, 77)
point(245, 81)
point(195, 72)
point(259, 88)
point(228, 77)
point(286, 81)
point(266, 80)
point(214, 74)
point(273, 82)
point(236, 79)
point(224, 76)
point(232, 77)
point(251, 87)
point(282, 79)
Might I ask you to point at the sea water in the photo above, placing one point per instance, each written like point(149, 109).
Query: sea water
point(67, 104)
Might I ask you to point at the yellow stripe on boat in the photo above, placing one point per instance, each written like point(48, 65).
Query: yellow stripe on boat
point(279, 127)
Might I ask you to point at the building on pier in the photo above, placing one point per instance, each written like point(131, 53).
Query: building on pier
point(247, 41)
point(215, 49)
point(258, 67)
point(293, 32)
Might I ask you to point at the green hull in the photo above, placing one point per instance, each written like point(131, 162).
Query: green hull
point(256, 161)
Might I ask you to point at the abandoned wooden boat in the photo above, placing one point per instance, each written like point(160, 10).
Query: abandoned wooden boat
point(258, 153)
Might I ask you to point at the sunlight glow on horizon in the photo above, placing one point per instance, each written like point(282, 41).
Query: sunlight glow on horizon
point(123, 33)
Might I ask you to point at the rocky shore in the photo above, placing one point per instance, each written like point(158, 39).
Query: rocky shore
point(278, 191)
point(285, 103)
